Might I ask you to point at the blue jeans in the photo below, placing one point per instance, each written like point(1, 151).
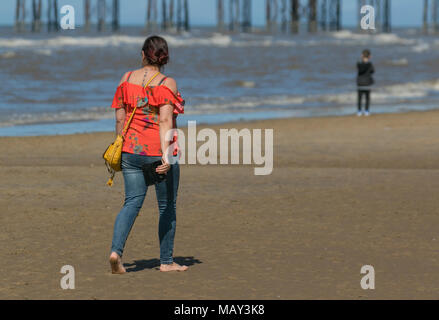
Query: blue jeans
point(135, 192)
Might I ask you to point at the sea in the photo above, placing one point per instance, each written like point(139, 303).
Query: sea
point(64, 82)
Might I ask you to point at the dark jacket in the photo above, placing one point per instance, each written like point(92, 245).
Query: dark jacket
point(365, 71)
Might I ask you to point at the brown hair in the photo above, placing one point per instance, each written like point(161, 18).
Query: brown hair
point(366, 53)
point(156, 51)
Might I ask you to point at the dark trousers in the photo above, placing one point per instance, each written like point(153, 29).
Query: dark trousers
point(366, 93)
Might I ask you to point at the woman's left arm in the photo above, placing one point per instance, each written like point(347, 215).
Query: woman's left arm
point(166, 124)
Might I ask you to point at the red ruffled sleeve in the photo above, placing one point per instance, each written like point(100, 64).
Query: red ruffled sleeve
point(118, 99)
point(162, 95)
point(132, 95)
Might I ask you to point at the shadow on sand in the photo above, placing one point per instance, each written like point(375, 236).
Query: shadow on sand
point(139, 265)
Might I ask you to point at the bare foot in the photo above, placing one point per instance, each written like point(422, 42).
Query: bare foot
point(172, 267)
point(116, 264)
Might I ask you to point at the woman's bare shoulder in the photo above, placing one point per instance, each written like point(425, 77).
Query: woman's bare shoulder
point(124, 77)
point(171, 84)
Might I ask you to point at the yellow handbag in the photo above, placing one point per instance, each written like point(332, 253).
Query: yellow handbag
point(113, 154)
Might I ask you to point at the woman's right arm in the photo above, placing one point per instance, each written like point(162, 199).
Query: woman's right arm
point(120, 112)
point(120, 120)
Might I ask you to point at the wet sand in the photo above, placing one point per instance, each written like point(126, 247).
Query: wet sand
point(345, 192)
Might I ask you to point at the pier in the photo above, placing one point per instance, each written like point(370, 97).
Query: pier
point(430, 23)
point(281, 16)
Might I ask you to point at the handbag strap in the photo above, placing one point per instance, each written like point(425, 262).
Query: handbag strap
point(152, 78)
point(135, 108)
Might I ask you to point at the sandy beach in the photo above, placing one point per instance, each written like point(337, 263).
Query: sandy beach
point(345, 192)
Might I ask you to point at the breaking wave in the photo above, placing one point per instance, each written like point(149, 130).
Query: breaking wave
point(389, 94)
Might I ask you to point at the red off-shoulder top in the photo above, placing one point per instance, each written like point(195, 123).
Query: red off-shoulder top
point(143, 135)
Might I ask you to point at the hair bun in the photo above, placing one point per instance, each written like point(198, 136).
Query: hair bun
point(156, 51)
point(163, 58)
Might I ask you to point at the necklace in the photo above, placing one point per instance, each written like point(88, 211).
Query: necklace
point(144, 76)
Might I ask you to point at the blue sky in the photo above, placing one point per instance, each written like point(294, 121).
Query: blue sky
point(202, 12)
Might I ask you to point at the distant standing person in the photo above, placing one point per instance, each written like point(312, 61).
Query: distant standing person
point(364, 81)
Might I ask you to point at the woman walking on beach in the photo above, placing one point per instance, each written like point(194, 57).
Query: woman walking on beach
point(158, 104)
